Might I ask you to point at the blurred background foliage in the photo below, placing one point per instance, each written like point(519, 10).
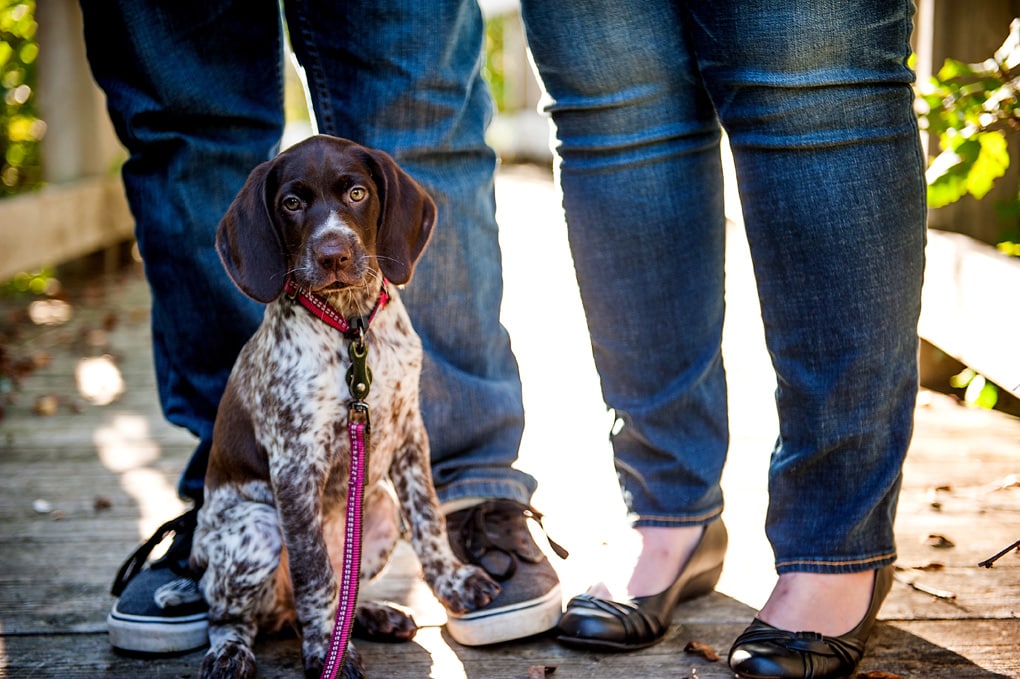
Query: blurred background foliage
point(970, 109)
point(21, 130)
point(20, 127)
point(493, 68)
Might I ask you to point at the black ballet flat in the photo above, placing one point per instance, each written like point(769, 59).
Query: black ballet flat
point(766, 652)
point(596, 624)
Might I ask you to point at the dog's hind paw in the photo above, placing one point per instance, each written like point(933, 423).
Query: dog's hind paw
point(376, 621)
point(230, 661)
point(466, 589)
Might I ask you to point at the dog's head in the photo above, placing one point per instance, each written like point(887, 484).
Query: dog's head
point(329, 212)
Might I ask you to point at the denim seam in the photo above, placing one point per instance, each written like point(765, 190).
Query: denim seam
point(852, 562)
point(522, 489)
point(686, 520)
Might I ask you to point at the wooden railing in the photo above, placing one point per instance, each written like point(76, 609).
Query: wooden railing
point(82, 209)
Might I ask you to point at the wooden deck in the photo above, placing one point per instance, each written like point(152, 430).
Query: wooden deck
point(81, 484)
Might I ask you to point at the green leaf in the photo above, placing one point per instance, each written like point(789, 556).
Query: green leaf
point(952, 69)
point(966, 165)
point(991, 163)
point(947, 179)
point(962, 379)
point(29, 52)
point(981, 393)
point(946, 189)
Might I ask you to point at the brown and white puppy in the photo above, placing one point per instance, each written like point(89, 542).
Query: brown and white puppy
point(336, 217)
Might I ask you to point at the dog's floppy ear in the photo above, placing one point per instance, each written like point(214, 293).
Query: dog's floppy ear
point(248, 242)
point(406, 220)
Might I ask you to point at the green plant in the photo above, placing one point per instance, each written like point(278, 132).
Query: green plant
point(29, 283)
point(978, 390)
point(493, 68)
point(970, 109)
point(20, 127)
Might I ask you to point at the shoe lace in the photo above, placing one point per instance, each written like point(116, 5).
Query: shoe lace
point(495, 536)
point(176, 557)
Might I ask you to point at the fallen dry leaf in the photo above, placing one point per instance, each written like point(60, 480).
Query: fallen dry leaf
point(100, 503)
point(540, 671)
point(939, 541)
point(704, 650)
point(110, 321)
point(878, 674)
point(46, 405)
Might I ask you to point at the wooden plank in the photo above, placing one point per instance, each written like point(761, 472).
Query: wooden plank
point(966, 308)
point(979, 649)
point(903, 648)
point(66, 221)
point(55, 574)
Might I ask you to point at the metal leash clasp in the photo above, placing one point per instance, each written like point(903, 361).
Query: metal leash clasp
point(359, 375)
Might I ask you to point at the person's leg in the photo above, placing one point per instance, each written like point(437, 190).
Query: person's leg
point(195, 94)
point(405, 76)
point(818, 106)
point(642, 183)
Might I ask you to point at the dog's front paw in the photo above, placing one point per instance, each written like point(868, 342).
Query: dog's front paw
point(384, 622)
point(230, 661)
point(468, 588)
point(354, 666)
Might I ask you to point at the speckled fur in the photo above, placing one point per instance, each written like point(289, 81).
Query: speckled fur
point(270, 534)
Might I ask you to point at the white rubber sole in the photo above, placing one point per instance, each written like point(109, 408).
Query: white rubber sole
point(484, 627)
point(143, 634)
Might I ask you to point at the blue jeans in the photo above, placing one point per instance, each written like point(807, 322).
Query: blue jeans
point(195, 91)
point(816, 100)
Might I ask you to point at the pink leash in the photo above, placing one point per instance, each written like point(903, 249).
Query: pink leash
point(359, 429)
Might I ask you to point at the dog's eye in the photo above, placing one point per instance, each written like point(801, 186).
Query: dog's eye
point(357, 194)
point(291, 203)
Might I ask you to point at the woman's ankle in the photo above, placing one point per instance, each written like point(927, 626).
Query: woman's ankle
point(826, 603)
point(648, 562)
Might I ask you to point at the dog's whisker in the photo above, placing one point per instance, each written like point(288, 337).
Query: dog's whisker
point(298, 269)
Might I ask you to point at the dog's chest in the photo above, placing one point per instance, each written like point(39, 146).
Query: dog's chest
point(296, 379)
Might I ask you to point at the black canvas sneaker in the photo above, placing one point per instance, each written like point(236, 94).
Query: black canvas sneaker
point(160, 609)
point(495, 536)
